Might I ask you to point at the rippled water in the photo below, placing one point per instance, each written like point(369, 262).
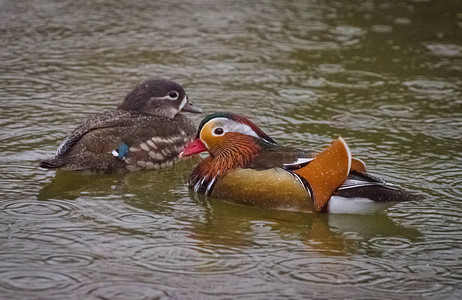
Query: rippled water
point(384, 75)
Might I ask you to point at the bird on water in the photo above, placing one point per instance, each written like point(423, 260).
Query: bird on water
point(146, 131)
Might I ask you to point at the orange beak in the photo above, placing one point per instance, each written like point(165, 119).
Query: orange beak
point(195, 147)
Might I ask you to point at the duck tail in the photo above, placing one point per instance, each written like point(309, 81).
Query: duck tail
point(327, 172)
point(366, 186)
point(51, 163)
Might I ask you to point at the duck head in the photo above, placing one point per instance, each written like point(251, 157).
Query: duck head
point(159, 97)
point(231, 140)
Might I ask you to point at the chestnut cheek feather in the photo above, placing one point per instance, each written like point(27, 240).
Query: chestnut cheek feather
point(237, 152)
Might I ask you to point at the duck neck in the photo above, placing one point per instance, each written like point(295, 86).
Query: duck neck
point(236, 153)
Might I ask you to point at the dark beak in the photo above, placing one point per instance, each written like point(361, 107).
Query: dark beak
point(190, 107)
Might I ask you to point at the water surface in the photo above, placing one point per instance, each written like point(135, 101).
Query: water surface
point(384, 75)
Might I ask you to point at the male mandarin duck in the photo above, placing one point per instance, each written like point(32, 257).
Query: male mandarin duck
point(246, 166)
point(145, 131)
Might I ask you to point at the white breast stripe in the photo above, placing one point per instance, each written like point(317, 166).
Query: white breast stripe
point(196, 187)
point(209, 186)
point(307, 188)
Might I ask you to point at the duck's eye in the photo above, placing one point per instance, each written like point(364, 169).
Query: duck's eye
point(218, 131)
point(173, 94)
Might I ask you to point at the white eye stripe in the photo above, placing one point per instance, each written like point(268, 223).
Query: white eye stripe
point(233, 126)
point(168, 97)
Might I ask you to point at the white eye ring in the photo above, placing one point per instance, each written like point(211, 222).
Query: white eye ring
point(173, 95)
point(218, 131)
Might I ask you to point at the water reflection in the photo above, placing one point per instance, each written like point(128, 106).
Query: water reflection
point(221, 220)
point(235, 225)
point(239, 230)
point(153, 185)
point(383, 74)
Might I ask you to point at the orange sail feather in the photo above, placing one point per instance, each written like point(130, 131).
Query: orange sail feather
point(327, 172)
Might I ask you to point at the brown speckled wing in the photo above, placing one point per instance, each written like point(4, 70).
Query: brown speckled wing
point(110, 119)
point(153, 140)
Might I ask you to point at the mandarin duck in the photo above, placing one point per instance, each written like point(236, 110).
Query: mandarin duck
point(248, 167)
point(146, 131)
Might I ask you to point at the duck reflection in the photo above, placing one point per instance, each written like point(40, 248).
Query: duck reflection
point(332, 234)
point(229, 224)
point(146, 184)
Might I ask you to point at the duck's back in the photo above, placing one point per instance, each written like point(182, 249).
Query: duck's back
point(123, 140)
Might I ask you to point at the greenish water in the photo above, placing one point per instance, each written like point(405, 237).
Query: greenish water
point(384, 75)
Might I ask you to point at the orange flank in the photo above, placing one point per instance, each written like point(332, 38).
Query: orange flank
point(327, 172)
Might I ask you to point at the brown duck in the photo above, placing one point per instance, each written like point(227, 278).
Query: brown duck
point(146, 131)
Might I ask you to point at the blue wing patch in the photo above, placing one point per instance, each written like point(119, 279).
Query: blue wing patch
point(121, 152)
